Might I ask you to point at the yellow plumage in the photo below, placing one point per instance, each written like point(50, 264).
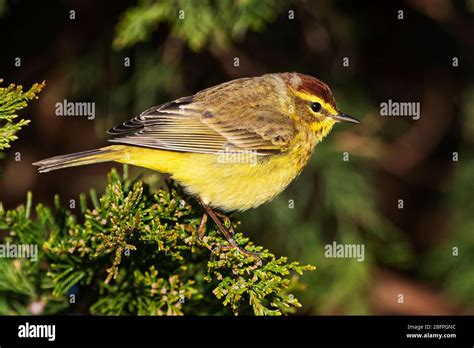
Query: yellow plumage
point(228, 186)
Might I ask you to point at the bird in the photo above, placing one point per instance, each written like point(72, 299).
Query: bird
point(233, 146)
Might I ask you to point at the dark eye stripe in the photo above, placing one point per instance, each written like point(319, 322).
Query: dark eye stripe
point(315, 106)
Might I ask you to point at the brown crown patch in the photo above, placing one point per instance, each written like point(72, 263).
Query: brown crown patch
point(311, 85)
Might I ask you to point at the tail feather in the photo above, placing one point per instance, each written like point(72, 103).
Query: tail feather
point(78, 159)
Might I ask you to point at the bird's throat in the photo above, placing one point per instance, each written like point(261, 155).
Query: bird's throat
point(321, 129)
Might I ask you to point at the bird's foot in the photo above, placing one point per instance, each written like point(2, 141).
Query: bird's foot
point(241, 250)
point(227, 232)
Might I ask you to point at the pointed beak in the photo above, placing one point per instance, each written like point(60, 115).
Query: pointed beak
point(342, 117)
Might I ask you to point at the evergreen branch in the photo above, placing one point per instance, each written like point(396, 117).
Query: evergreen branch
point(138, 253)
point(13, 99)
point(207, 21)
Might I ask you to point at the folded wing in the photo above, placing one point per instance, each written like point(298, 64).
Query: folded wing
point(190, 124)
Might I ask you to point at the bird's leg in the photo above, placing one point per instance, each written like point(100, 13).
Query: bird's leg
point(226, 222)
point(219, 224)
point(226, 233)
point(202, 226)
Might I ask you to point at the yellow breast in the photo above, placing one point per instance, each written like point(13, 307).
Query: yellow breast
point(228, 181)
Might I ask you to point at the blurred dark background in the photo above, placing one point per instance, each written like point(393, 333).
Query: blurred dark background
point(423, 251)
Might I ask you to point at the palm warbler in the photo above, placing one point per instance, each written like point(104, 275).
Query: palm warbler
point(234, 146)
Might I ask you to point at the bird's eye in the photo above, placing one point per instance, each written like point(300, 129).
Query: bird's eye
point(315, 106)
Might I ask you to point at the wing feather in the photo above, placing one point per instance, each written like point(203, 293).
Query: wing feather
point(190, 124)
